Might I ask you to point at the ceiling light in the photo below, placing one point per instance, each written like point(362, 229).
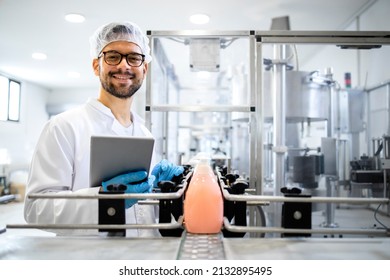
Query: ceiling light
point(199, 19)
point(203, 75)
point(39, 56)
point(73, 74)
point(75, 18)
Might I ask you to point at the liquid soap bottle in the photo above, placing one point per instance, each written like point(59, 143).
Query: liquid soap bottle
point(203, 202)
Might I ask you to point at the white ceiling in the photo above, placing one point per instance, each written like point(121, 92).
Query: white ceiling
point(28, 26)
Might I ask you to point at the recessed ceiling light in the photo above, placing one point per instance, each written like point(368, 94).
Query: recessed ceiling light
point(203, 75)
point(199, 19)
point(75, 18)
point(39, 56)
point(73, 74)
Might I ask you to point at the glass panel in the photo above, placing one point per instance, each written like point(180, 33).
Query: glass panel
point(3, 98)
point(211, 71)
point(322, 106)
point(14, 101)
point(197, 76)
point(322, 101)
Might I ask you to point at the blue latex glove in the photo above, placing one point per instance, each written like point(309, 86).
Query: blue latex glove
point(165, 171)
point(136, 182)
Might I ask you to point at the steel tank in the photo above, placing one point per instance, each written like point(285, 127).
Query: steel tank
point(306, 99)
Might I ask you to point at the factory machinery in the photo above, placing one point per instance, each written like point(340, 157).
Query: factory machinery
point(216, 232)
point(284, 144)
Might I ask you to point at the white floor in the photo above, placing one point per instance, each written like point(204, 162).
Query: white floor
point(12, 213)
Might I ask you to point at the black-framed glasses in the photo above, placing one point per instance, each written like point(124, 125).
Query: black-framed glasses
point(113, 58)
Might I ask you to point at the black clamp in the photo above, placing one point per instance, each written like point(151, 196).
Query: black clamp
point(235, 209)
point(112, 211)
point(171, 207)
point(296, 215)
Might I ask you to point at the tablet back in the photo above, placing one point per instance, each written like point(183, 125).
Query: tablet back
point(115, 155)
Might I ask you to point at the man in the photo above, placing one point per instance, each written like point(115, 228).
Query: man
point(61, 160)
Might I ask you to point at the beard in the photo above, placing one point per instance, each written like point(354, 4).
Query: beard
point(124, 91)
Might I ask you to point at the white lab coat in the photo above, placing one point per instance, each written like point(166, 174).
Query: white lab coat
point(61, 164)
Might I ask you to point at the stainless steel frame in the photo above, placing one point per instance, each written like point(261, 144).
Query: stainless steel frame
point(152, 107)
point(258, 39)
point(254, 248)
point(344, 39)
point(251, 199)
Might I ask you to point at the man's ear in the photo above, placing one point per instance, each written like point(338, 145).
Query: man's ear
point(95, 66)
point(145, 68)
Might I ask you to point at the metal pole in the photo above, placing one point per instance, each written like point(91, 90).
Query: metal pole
point(330, 207)
point(279, 99)
point(333, 108)
point(261, 199)
point(233, 228)
point(256, 100)
point(388, 133)
point(148, 93)
point(386, 155)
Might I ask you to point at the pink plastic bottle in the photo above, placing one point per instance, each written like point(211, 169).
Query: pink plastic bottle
point(203, 203)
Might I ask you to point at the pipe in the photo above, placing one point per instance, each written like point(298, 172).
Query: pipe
point(279, 125)
point(317, 199)
point(175, 195)
point(279, 110)
point(253, 199)
point(330, 207)
point(178, 224)
point(233, 228)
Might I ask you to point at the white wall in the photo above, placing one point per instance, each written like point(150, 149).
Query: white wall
point(373, 67)
point(367, 67)
point(61, 99)
point(20, 138)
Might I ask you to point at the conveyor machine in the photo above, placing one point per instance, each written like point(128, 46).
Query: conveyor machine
point(232, 242)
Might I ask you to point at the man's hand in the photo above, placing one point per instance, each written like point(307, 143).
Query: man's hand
point(132, 182)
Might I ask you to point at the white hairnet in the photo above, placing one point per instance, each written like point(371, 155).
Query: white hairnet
point(119, 31)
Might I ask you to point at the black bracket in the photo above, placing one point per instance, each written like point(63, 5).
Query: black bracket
point(112, 211)
point(235, 209)
point(169, 208)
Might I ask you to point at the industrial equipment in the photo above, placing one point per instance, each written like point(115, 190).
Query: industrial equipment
point(287, 142)
point(186, 245)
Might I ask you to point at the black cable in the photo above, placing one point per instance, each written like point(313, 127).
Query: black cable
point(376, 219)
point(377, 153)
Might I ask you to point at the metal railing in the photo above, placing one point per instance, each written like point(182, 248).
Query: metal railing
point(249, 198)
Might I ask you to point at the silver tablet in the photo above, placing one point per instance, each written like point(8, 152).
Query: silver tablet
point(115, 155)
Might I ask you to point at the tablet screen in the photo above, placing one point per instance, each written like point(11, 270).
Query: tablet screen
point(115, 155)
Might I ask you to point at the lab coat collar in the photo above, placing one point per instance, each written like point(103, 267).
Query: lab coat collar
point(100, 107)
point(116, 126)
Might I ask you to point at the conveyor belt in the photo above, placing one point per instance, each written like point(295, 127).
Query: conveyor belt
point(201, 247)
point(307, 248)
point(87, 248)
